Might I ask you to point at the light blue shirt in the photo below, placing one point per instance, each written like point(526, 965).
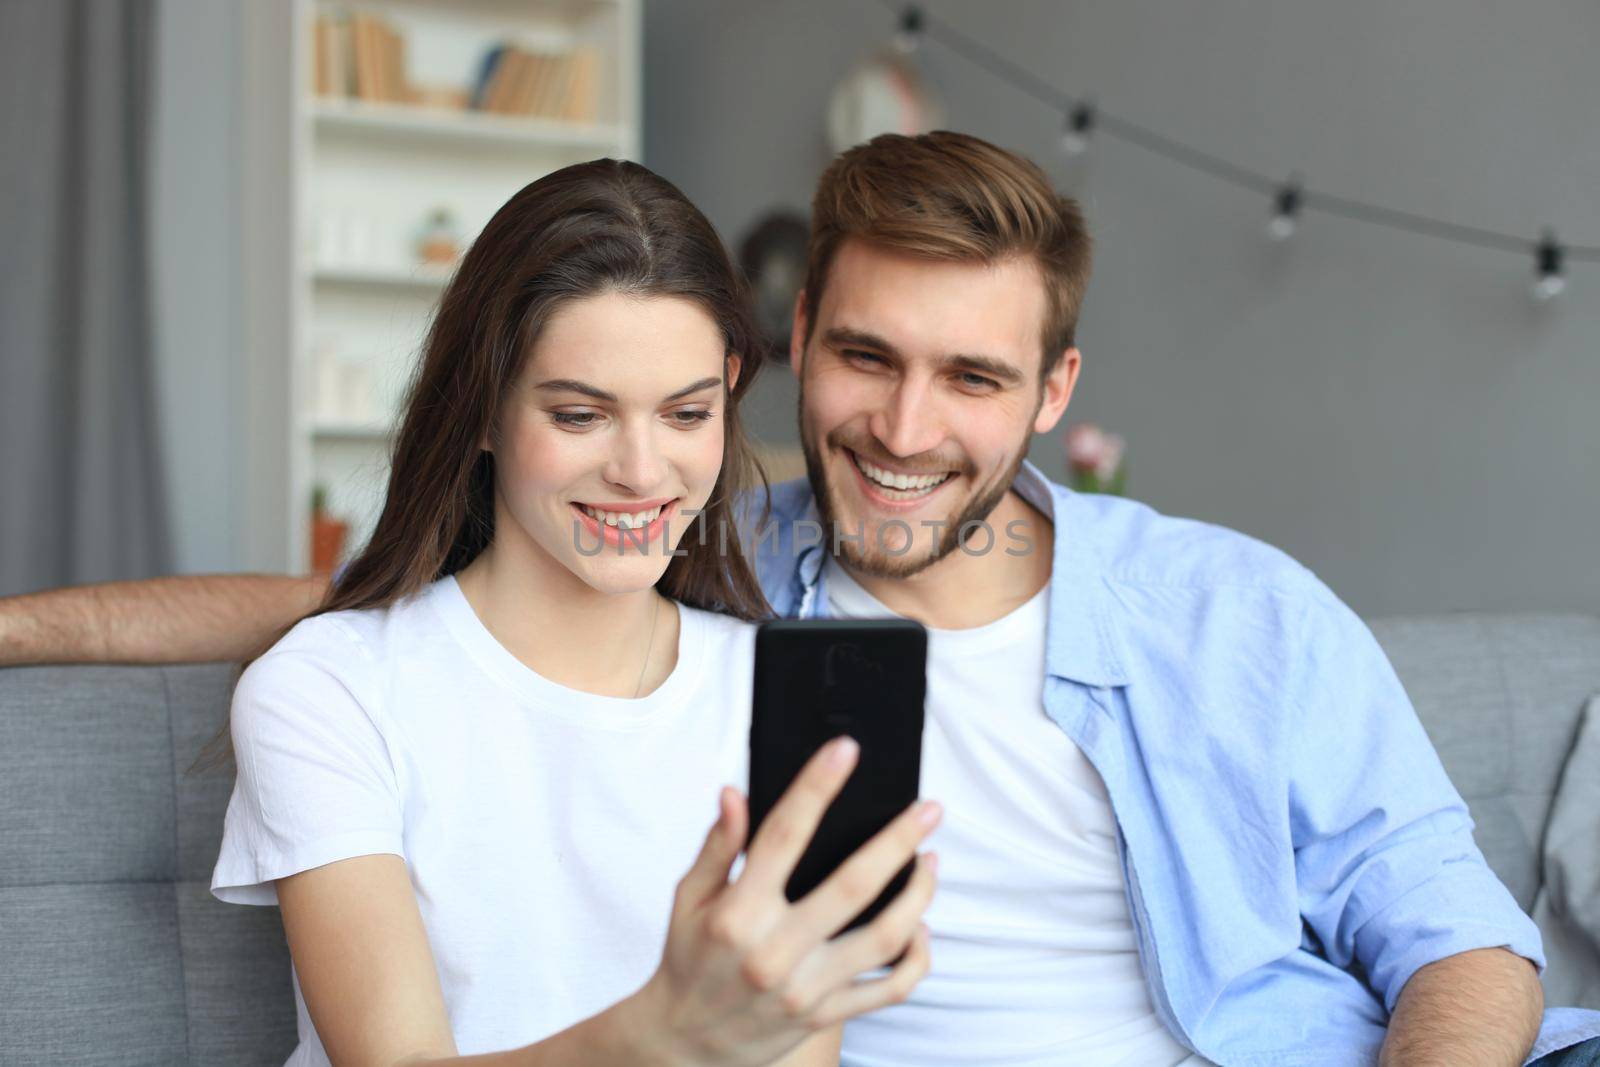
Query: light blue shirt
point(1291, 847)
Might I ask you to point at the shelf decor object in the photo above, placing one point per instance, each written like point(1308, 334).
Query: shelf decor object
point(407, 123)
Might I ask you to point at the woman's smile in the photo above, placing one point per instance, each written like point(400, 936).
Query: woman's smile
point(636, 523)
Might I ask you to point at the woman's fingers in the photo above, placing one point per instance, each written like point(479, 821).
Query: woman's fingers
point(861, 997)
point(857, 881)
point(788, 827)
point(866, 948)
point(709, 873)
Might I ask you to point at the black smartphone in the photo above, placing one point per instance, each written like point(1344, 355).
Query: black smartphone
point(814, 680)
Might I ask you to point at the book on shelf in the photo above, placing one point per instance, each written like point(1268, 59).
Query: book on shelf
point(517, 81)
point(360, 56)
point(331, 56)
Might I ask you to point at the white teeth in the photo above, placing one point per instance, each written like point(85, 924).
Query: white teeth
point(625, 520)
point(892, 480)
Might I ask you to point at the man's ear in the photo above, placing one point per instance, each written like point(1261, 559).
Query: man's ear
point(797, 334)
point(733, 364)
point(1058, 385)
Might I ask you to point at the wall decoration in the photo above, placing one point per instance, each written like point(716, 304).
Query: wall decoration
point(773, 255)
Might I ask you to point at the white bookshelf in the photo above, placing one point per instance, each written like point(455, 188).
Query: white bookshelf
point(363, 177)
point(432, 128)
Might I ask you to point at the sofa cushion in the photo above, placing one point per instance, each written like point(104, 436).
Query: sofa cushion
point(1567, 908)
point(92, 974)
point(1500, 697)
point(115, 950)
point(86, 783)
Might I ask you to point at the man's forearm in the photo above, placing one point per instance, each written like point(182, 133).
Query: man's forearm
point(1476, 1009)
point(159, 620)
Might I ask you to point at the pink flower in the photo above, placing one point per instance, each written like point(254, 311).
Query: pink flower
point(1111, 458)
point(1086, 443)
point(1092, 450)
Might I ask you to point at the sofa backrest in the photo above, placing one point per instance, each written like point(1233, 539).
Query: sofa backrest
point(115, 952)
point(1501, 697)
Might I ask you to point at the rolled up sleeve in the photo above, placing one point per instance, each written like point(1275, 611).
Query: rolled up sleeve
point(1389, 876)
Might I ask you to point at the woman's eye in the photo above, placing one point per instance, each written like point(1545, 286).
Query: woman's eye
point(573, 418)
point(691, 418)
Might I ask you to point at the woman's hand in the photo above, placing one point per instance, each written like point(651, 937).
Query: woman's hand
point(746, 975)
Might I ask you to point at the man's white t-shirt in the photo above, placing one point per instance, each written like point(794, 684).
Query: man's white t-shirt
point(1035, 962)
point(544, 829)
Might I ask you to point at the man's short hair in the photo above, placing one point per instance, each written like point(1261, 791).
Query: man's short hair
point(951, 196)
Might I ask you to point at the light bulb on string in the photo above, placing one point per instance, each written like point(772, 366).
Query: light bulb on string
point(909, 36)
point(1285, 211)
point(1550, 279)
point(1079, 125)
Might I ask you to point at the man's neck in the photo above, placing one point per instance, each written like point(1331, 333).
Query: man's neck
point(971, 588)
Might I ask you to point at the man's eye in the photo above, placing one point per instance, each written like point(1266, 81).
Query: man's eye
point(978, 381)
point(862, 357)
point(573, 418)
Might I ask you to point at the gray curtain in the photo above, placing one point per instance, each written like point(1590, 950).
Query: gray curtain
point(80, 487)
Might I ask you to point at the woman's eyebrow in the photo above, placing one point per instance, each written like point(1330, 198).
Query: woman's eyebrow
point(703, 383)
point(572, 385)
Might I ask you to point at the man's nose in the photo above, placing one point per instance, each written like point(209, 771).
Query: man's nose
point(909, 423)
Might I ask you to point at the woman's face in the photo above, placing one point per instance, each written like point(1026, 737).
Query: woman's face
point(612, 437)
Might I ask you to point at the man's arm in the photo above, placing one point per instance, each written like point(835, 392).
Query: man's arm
point(1389, 876)
point(1481, 1007)
point(159, 620)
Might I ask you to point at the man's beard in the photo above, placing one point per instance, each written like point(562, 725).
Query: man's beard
point(881, 563)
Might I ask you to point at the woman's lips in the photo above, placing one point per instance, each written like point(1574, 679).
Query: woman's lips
point(616, 536)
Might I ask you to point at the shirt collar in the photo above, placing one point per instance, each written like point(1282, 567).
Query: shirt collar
point(1083, 643)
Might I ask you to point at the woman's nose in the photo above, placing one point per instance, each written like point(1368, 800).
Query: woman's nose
point(636, 463)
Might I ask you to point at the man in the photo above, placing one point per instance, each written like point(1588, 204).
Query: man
point(1192, 816)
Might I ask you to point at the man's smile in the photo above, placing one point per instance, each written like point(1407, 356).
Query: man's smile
point(897, 489)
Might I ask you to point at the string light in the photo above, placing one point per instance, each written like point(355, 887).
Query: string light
point(1290, 200)
point(1079, 125)
point(909, 37)
point(1549, 280)
point(1285, 211)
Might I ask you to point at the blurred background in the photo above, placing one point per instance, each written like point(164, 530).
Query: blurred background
point(1328, 306)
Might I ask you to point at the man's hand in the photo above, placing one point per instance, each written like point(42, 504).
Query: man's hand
point(1476, 1009)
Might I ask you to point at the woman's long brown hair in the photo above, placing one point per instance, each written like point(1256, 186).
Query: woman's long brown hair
point(601, 226)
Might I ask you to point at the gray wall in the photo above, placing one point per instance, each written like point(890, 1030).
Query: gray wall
point(195, 234)
point(1388, 409)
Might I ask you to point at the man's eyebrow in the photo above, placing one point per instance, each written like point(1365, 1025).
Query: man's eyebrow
point(845, 337)
point(995, 368)
point(572, 385)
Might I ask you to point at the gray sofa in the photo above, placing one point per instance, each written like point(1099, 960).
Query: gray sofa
point(115, 952)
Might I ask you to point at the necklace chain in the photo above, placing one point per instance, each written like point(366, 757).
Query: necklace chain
point(655, 615)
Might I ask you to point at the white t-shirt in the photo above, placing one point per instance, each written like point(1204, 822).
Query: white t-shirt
point(1035, 963)
point(544, 829)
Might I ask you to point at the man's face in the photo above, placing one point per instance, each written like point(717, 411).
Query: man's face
point(919, 391)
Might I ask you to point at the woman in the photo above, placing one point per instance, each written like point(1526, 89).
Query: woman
point(471, 779)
